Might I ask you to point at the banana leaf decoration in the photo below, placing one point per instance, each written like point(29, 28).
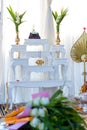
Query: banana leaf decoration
point(16, 18)
point(79, 49)
point(59, 17)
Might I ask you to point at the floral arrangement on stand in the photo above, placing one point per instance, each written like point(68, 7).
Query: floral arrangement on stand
point(46, 113)
point(58, 19)
point(17, 20)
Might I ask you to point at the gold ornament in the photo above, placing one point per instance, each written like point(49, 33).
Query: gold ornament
point(79, 53)
point(40, 62)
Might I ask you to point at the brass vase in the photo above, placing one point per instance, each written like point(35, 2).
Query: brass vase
point(17, 39)
point(58, 39)
point(7, 105)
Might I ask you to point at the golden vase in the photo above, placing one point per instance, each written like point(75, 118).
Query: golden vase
point(58, 39)
point(17, 39)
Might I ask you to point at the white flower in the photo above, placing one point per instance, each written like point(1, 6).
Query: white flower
point(34, 112)
point(57, 20)
point(17, 18)
point(41, 126)
point(35, 122)
point(44, 101)
point(36, 101)
point(41, 112)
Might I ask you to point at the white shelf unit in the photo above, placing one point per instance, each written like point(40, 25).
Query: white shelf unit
point(49, 68)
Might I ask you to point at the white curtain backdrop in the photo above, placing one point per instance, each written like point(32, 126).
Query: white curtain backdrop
point(47, 25)
point(2, 61)
point(70, 30)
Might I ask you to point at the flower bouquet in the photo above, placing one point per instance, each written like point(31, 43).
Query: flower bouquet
point(47, 113)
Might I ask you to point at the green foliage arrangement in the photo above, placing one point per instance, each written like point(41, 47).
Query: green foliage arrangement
point(61, 115)
point(58, 18)
point(57, 113)
point(16, 17)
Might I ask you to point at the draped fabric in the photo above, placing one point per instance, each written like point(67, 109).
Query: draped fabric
point(47, 29)
point(47, 25)
point(2, 60)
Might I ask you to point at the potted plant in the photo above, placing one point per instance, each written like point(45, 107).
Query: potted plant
point(17, 20)
point(58, 19)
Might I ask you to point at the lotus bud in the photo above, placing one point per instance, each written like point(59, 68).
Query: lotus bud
point(34, 112)
point(44, 101)
point(35, 122)
point(41, 126)
point(41, 112)
point(36, 101)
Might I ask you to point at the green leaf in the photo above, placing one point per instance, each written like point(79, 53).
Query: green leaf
point(21, 15)
point(16, 18)
point(55, 15)
point(10, 10)
point(56, 94)
point(58, 18)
